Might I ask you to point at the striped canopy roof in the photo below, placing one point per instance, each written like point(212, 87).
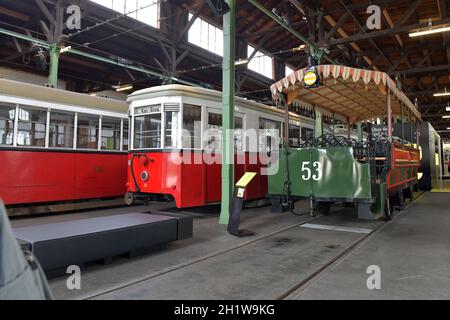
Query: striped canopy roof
point(357, 94)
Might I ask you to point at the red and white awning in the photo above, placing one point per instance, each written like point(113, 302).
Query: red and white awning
point(357, 94)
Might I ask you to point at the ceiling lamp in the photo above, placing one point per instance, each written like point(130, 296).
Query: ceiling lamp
point(445, 117)
point(429, 31)
point(241, 62)
point(442, 94)
point(65, 49)
point(123, 88)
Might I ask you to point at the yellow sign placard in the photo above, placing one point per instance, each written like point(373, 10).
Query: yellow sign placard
point(310, 78)
point(246, 179)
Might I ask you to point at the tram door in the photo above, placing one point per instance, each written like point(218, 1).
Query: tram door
point(213, 153)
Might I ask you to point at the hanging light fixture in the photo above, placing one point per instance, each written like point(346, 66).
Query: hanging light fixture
point(442, 94)
point(429, 31)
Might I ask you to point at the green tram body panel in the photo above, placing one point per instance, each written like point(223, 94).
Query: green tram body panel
point(342, 176)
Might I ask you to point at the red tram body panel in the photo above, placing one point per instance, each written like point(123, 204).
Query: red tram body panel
point(37, 177)
point(189, 183)
point(404, 166)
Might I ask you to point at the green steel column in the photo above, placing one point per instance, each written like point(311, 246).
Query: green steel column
point(359, 129)
point(318, 125)
point(228, 78)
point(54, 62)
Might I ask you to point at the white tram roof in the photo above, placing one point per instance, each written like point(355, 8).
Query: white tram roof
point(41, 93)
point(173, 90)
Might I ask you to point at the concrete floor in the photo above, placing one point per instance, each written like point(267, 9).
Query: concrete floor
point(412, 251)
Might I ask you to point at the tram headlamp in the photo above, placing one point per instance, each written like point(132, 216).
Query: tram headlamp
point(144, 176)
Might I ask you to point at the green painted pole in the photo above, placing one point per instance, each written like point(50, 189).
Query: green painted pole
point(228, 78)
point(54, 64)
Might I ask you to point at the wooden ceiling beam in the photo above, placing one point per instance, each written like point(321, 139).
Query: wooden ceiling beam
point(14, 14)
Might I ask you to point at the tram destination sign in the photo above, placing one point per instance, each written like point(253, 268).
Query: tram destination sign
point(148, 109)
point(379, 131)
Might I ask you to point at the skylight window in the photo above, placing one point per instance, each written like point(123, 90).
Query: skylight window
point(261, 63)
point(206, 36)
point(147, 10)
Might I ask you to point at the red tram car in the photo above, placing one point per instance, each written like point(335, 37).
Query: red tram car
point(58, 146)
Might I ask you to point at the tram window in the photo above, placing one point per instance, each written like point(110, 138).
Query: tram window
point(125, 143)
point(214, 133)
point(32, 126)
point(294, 135)
point(270, 132)
point(7, 115)
point(238, 133)
point(192, 125)
point(147, 131)
point(171, 125)
point(110, 134)
point(61, 129)
point(307, 133)
point(87, 132)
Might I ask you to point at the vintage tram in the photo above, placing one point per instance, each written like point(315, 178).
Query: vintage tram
point(58, 146)
point(375, 173)
point(175, 144)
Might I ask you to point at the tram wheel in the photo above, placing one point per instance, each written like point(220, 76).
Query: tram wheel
point(324, 207)
point(128, 198)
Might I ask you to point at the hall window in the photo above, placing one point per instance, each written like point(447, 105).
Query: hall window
point(145, 11)
point(206, 36)
point(260, 63)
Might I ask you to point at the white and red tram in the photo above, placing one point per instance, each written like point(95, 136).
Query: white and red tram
point(57, 145)
point(176, 129)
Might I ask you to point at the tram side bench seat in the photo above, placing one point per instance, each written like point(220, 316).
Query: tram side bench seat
point(59, 245)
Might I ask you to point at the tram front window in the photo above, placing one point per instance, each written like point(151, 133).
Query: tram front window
point(147, 131)
point(171, 126)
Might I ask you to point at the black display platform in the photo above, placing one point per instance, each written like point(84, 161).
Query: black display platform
point(59, 245)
